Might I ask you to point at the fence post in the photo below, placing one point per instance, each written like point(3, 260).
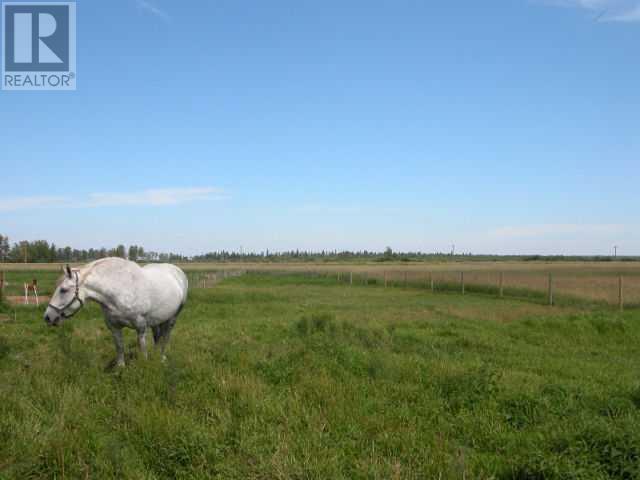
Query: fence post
point(501, 284)
point(462, 281)
point(1, 284)
point(366, 279)
point(385, 279)
point(433, 287)
point(350, 278)
point(405, 279)
point(621, 293)
point(550, 289)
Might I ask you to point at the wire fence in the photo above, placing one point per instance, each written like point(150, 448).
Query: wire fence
point(552, 288)
point(209, 279)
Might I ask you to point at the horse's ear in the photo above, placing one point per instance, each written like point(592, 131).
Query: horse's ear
point(68, 271)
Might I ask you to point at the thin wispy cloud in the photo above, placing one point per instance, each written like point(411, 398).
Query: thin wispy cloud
point(151, 198)
point(630, 16)
point(21, 203)
point(320, 209)
point(152, 9)
point(546, 230)
point(154, 197)
point(603, 10)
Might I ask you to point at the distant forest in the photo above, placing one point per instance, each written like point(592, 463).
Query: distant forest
point(41, 251)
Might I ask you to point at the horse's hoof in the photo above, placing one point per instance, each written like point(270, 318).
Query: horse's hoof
point(112, 365)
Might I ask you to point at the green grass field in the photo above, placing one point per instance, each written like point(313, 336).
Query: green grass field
point(294, 377)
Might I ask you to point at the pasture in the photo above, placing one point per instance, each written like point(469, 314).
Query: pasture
point(293, 375)
point(603, 283)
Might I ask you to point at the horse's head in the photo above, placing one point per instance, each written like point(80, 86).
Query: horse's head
point(66, 300)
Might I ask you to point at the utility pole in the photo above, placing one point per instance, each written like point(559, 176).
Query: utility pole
point(615, 251)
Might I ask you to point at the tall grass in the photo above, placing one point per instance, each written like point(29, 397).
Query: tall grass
point(298, 377)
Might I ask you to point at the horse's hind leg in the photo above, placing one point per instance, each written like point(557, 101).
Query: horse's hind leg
point(157, 333)
point(164, 331)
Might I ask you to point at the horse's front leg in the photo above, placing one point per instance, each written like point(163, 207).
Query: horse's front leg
point(142, 341)
point(116, 331)
point(119, 343)
point(140, 326)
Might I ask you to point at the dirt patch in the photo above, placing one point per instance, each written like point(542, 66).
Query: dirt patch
point(4, 318)
point(19, 300)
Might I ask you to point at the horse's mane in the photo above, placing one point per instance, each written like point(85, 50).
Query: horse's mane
point(84, 271)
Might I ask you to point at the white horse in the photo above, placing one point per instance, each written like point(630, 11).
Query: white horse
point(130, 296)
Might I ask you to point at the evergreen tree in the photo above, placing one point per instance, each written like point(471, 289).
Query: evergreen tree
point(120, 252)
point(4, 248)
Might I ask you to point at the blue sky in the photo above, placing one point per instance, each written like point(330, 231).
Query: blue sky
point(501, 126)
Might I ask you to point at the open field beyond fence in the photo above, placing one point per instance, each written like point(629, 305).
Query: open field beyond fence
point(607, 283)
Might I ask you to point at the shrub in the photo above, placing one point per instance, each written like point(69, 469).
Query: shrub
point(466, 389)
point(316, 323)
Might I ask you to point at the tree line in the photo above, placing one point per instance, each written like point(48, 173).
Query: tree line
point(41, 251)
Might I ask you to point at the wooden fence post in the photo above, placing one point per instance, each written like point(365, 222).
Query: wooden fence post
point(621, 293)
point(433, 287)
point(385, 279)
point(350, 278)
point(1, 284)
point(462, 281)
point(550, 293)
point(501, 284)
